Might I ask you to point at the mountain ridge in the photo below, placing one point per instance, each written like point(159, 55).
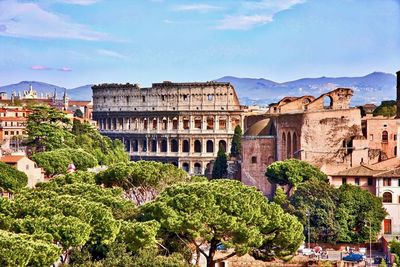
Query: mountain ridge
point(371, 88)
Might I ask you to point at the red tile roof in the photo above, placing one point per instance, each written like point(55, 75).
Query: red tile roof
point(11, 159)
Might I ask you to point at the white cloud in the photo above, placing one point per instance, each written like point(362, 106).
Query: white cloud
point(265, 11)
point(19, 19)
point(65, 69)
point(109, 53)
point(243, 22)
point(40, 67)
point(79, 2)
point(196, 7)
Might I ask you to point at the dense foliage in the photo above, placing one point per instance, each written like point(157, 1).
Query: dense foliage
point(227, 212)
point(386, 109)
point(11, 179)
point(236, 147)
point(142, 180)
point(57, 161)
point(342, 214)
point(292, 172)
point(220, 168)
point(49, 129)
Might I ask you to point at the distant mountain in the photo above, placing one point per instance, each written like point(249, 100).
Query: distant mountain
point(372, 88)
point(79, 93)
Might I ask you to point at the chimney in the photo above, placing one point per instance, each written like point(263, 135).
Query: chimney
point(398, 95)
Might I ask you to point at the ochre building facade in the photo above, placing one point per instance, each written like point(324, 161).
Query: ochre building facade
point(179, 123)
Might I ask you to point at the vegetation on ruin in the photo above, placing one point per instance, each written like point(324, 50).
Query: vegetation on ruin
point(386, 109)
point(236, 148)
point(220, 168)
point(11, 179)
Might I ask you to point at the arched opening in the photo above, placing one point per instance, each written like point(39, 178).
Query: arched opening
point(165, 124)
point(283, 146)
point(135, 146)
point(197, 146)
point(154, 124)
point(185, 167)
point(210, 123)
point(175, 124)
point(197, 168)
point(385, 136)
point(197, 122)
point(387, 197)
point(222, 123)
point(144, 145)
point(295, 148)
point(175, 163)
point(222, 145)
point(127, 145)
point(154, 145)
point(289, 146)
point(174, 145)
point(210, 146)
point(185, 146)
point(328, 102)
point(145, 123)
point(164, 146)
point(395, 151)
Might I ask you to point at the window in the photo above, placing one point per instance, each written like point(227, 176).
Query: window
point(163, 98)
point(357, 181)
point(210, 97)
point(384, 136)
point(395, 137)
point(371, 137)
point(370, 182)
point(387, 197)
point(6, 132)
point(387, 182)
point(253, 160)
point(197, 146)
point(185, 97)
point(399, 183)
point(143, 98)
point(27, 167)
point(344, 180)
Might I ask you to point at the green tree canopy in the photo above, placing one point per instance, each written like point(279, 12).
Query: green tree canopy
point(236, 147)
point(220, 168)
point(11, 179)
point(386, 109)
point(228, 212)
point(142, 180)
point(57, 161)
point(293, 172)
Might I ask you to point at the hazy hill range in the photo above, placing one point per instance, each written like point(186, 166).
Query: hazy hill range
point(372, 88)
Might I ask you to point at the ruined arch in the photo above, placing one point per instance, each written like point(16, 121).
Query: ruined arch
point(328, 102)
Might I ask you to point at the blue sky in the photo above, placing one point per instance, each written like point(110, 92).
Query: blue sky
point(77, 42)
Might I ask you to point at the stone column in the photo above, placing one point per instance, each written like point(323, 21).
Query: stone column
point(229, 123)
point(204, 123)
point(203, 145)
point(216, 123)
point(168, 145)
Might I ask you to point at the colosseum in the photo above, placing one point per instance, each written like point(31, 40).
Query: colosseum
point(179, 123)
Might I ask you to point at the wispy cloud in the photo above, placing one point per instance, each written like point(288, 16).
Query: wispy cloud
point(40, 67)
point(65, 69)
point(79, 2)
point(243, 22)
point(196, 7)
point(30, 20)
point(109, 53)
point(254, 13)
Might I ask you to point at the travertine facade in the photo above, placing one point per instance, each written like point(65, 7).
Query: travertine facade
point(180, 123)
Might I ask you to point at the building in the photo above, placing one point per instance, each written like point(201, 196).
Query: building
point(179, 123)
point(324, 131)
point(13, 126)
point(24, 164)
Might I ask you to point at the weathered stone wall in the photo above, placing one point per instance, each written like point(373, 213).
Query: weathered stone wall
point(381, 134)
point(257, 153)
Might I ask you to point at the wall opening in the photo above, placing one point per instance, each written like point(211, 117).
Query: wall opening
point(197, 146)
point(210, 146)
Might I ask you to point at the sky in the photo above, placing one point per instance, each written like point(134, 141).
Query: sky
point(76, 42)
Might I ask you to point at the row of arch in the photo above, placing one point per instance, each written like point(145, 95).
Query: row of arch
point(155, 145)
point(289, 145)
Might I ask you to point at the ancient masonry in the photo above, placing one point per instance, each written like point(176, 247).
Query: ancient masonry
point(180, 123)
